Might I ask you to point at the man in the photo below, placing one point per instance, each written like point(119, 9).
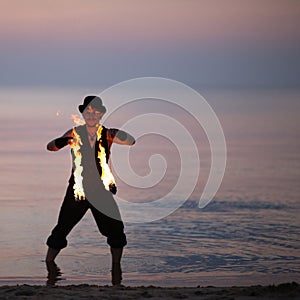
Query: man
point(97, 197)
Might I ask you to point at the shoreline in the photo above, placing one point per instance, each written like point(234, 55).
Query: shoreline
point(163, 280)
point(289, 290)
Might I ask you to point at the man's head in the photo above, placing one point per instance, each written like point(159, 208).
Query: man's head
point(92, 110)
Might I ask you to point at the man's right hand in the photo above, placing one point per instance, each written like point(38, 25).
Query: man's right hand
point(62, 142)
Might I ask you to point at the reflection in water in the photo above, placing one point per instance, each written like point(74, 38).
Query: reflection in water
point(54, 273)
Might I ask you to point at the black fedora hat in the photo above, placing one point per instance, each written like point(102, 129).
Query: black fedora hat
point(94, 101)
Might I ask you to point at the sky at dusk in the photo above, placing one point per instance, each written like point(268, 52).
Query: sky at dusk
point(232, 43)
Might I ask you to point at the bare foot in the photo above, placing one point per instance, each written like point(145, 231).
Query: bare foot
point(116, 274)
point(54, 273)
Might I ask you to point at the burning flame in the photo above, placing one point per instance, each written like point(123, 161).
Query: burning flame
point(77, 120)
point(78, 188)
point(106, 176)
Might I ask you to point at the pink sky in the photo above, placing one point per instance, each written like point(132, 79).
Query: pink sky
point(136, 21)
point(210, 42)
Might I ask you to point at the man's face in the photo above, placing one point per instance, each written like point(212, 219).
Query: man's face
point(92, 116)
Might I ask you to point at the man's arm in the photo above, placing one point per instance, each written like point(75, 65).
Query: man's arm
point(121, 137)
point(60, 142)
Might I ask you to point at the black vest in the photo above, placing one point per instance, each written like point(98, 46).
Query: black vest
point(90, 161)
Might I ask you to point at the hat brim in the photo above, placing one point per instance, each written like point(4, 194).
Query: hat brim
point(101, 108)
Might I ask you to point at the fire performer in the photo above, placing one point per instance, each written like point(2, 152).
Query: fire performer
point(91, 184)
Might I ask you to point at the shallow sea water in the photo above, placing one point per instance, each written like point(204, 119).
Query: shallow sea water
point(248, 234)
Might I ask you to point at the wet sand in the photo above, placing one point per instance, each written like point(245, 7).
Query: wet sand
point(85, 291)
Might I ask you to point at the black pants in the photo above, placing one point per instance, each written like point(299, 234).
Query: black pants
point(71, 213)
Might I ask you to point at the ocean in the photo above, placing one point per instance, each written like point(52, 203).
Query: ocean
point(247, 234)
